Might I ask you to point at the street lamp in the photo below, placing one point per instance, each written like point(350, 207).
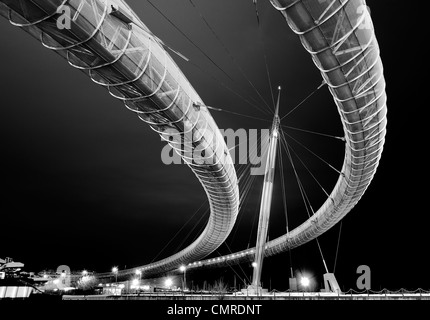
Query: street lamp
point(305, 282)
point(115, 272)
point(184, 270)
point(139, 273)
point(135, 284)
point(168, 282)
point(254, 265)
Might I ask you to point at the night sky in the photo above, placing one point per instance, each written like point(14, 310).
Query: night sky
point(83, 183)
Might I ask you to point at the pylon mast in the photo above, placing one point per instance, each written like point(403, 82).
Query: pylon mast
point(266, 199)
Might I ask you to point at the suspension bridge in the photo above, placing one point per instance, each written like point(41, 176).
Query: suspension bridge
point(108, 42)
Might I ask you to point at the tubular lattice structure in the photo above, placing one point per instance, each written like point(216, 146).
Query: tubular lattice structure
point(340, 37)
point(130, 62)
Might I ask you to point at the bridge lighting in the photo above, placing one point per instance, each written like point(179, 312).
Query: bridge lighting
point(254, 264)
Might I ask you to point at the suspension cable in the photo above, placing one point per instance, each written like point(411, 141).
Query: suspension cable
point(229, 53)
point(177, 233)
point(310, 173)
point(304, 196)
point(283, 189)
point(179, 246)
point(210, 75)
point(256, 12)
point(314, 132)
point(337, 247)
point(191, 41)
point(284, 201)
point(260, 34)
point(247, 181)
point(304, 100)
point(313, 153)
point(231, 267)
point(246, 277)
point(236, 113)
point(207, 56)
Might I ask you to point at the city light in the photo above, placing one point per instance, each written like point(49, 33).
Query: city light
point(115, 271)
point(184, 282)
point(305, 282)
point(168, 282)
point(254, 264)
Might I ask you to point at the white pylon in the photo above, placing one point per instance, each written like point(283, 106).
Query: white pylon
point(266, 199)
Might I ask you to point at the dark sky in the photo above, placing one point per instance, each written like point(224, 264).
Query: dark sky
point(84, 184)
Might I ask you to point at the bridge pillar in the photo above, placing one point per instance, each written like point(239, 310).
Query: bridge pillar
point(266, 201)
point(330, 283)
point(293, 284)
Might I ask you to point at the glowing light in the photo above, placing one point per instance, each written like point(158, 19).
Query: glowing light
point(135, 282)
point(115, 270)
point(168, 282)
point(182, 268)
point(304, 281)
point(254, 264)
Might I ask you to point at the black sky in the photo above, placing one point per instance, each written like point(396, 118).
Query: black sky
point(84, 185)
